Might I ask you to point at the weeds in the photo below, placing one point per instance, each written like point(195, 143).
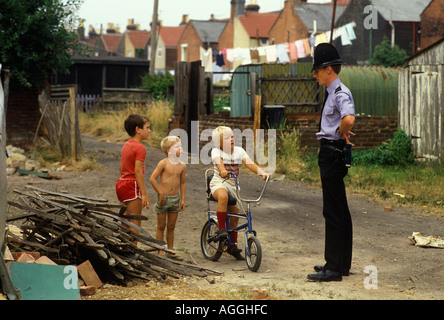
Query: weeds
point(110, 124)
point(394, 152)
point(289, 158)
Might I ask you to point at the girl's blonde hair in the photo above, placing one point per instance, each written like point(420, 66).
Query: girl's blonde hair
point(220, 132)
point(168, 142)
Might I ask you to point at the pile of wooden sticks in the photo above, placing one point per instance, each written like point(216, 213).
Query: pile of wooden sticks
point(70, 229)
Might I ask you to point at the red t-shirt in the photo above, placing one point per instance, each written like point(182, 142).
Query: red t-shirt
point(132, 150)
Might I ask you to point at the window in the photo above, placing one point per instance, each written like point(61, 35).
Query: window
point(184, 52)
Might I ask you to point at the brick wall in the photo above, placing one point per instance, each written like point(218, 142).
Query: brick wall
point(432, 23)
point(23, 115)
point(289, 26)
point(370, 131)
point(192, 39)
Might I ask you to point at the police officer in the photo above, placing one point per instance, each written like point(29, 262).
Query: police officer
point(337, 119)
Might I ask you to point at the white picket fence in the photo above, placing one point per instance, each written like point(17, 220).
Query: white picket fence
point(88, 102)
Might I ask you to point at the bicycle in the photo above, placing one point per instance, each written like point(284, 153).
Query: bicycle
point(212, 247)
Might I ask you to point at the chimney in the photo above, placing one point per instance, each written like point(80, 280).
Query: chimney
point(92, 32)
point(237, 8)
point(252, 8)
point(184, 20)
point(296, 3)
point(110, 28)
point(131, 25)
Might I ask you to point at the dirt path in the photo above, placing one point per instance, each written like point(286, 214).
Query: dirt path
point(291, 231)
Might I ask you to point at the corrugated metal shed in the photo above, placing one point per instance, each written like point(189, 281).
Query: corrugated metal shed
point(421, 101)
point(374, 89)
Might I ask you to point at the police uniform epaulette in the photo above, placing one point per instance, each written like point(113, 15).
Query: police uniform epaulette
point(338, 89)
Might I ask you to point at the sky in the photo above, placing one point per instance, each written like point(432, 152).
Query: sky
point(102, 12)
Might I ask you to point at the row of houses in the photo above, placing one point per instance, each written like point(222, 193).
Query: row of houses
point(412, 26)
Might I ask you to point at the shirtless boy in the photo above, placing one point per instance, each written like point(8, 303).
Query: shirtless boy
point(171, 190)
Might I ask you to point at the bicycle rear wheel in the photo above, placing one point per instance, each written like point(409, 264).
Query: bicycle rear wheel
point(253, 254)
point(212, 250)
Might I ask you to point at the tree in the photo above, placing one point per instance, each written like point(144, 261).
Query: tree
point(35, 40)
point(386, 55)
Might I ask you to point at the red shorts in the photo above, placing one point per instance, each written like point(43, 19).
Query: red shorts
point(127, 190)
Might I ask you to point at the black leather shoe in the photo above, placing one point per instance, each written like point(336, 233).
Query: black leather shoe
point(325, 276)
point(319, 267)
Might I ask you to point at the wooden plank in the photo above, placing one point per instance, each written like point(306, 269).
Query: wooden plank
point(257, 116)
point(73, 117)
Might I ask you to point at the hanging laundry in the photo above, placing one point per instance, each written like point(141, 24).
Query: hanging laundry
point(300, 49)
point(320, 38)
point(220, 60)
point(244, 55)
point(206, 56)
point(230, 55)
point(337, 32)
point(270, 52)
point(350, 31)
point(217, 77)
point(345, 39)
point(254, 55)
point(312, 41)
point(293, 51)
point(262, 54)
point(281, 53)
point(261, 51)
point(307, 47)
point(328, 35)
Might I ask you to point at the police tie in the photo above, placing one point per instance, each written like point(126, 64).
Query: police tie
point(322, 110)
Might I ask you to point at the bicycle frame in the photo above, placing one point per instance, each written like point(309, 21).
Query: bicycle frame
point(248, 225)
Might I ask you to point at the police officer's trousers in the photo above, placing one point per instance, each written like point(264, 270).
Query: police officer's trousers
point(338, 222)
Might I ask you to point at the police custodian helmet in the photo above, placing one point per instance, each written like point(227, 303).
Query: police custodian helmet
point(325, 55)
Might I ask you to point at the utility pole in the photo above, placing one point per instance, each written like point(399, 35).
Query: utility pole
point(154, 38)
point(333, 21)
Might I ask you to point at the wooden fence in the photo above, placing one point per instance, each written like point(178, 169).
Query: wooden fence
point(60, 120)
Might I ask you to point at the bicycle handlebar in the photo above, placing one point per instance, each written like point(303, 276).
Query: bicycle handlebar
point(237, 187)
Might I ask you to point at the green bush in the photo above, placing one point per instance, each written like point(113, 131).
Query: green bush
point(221, 100)
point(157, 85)
point(387, 56)
point(394, 152)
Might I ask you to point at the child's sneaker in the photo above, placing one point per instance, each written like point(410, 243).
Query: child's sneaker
point(235, 252)
point(221, 234)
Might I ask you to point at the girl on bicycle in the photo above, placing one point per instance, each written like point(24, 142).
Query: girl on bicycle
point(228, 158)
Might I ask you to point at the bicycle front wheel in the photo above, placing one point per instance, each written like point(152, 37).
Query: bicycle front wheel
point(212, 250)
point(253, 254)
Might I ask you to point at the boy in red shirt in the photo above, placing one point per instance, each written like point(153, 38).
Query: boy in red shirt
point(130, 188)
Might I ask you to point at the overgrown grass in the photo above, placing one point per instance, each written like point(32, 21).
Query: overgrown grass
point(109, 125)
point(52, 158)
point(290, 154)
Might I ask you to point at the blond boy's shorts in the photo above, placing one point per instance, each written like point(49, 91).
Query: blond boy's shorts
point(172, 204)
point(217, 183)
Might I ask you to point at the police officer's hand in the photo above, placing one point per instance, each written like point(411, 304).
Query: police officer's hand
point(346, 137)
